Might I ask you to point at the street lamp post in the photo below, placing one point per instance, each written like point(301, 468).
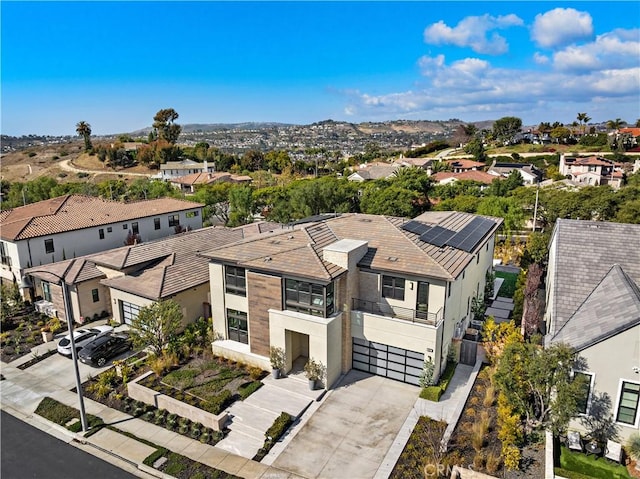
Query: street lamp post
point(74, 353)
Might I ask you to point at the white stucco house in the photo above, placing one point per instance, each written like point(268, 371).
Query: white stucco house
point(71, 226)
point(373, 293)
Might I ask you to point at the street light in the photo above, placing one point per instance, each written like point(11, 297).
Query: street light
point(68, 312)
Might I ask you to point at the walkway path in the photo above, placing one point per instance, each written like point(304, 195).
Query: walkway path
point(68, 166)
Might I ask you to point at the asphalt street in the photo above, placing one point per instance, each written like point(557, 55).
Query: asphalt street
point(27, 452)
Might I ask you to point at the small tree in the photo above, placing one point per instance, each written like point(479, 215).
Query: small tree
point(277, 357)
point(426, 376)
point(157, 326)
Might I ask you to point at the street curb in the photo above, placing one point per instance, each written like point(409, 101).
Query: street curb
point(154, 472)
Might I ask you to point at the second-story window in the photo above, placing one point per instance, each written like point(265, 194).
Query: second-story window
point(101, 233)
point(309, 298)
point(174, 220)
point(393, 287)
point(156, 223)
point(4, 257)
point(48, 246)
point(135, 229)
point(235, 280)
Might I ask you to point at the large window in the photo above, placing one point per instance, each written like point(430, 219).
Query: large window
point(46, 291)
point(174, 220)
point(393, 287)
point(48, 246)
point(135, 229)
point(192, 214)
point(628, 403)
point(583, 400)
point(309, 298)
point(235, 282)
point(237, 326)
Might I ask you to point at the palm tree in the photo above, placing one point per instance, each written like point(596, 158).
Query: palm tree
point(633, 448)
point(615, 124)
point(583, 119)
point(83, 129)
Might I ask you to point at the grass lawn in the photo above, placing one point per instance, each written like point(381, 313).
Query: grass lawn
point(508, 287)
point(576, 465)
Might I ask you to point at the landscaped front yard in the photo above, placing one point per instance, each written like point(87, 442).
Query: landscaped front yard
point(577, 465)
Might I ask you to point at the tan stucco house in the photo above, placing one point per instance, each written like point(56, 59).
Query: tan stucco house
point(593, 304)
point(374, 293)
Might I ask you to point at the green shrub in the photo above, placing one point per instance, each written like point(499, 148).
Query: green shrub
point(279, 426)
point(154, 456)
point(219, 402)
point(431, 393)
point(247, 390)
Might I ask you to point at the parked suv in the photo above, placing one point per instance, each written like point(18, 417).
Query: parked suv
point(105, 347)
point(82, 337)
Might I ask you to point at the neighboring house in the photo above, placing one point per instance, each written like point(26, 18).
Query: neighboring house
point(374, 293)
point(73, 225)
point(176, 169)
point(530, 174)
point(448, 177)
point(591, 170)
point(189, 183)
point(593, 305)
point(373, 171)
point(424, 163)
point(123, 280)
point(461, 165)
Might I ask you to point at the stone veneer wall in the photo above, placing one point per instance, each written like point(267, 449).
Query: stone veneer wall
point(266, 293)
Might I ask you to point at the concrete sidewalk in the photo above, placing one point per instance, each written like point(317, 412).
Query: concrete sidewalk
point(21, 391)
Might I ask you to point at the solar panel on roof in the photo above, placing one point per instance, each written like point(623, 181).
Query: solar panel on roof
point(415, 227)
point(437, 236)
point(469, 237)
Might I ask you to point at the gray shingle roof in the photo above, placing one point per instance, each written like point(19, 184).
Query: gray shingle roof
point(612, 307)
point(586, 251)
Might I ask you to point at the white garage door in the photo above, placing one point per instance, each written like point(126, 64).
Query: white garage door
point(129, 311)
point(388, 361)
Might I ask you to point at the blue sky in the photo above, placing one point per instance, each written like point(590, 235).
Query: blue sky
point(115, 64)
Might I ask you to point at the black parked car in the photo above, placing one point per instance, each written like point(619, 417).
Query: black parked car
point(103, 348)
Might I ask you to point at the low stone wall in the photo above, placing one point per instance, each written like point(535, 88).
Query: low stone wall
point(161, 401)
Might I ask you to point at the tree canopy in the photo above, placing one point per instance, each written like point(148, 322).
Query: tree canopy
point(157, 325)
point(164, 126)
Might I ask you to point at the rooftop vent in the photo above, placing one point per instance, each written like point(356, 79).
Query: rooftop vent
point(267, 259)
point(392, 258)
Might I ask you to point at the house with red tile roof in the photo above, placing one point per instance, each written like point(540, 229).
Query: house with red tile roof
point(75, 225)
point(448, 177)
point(591, 170)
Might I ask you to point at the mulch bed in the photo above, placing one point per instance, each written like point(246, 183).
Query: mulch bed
point(37, 359)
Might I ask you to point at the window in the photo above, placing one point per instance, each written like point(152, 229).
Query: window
point(125, 226)
point(192, 214)
point(109, 229)
point(393, 287)
point(309, 298)
point(156, 223)
point(235, 280)
point(48, 246)
point(95, 295)
point(478, 259)
point(237, 326)
point(134, 228)
point(4, 257)
point(101, 233)
point(628, 403)
point(585, 396)
point(46, 291)
point(174, 220)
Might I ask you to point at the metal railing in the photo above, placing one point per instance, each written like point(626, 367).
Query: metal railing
point(396, 312)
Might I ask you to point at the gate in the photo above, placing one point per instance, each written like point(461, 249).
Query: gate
point(468, 350)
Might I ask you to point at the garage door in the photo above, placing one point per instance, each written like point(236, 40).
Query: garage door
point(388, 361)
point(129, 311)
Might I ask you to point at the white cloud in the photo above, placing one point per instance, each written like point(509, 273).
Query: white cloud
point(473, 89)
point(614, 50)
point(472, 32)
point(540, 59)
point(560, 27)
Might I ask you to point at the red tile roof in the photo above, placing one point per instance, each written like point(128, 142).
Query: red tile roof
point(471, 175)
point(74, 212)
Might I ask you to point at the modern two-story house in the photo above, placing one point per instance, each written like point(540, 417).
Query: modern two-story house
point(71, 226)
point(593, 305)
point(373, 293)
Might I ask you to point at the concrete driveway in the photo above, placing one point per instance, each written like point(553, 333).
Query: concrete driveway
point(351, 432)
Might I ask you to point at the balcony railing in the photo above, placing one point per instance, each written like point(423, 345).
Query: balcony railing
point(383, 309)
point(45, 307)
